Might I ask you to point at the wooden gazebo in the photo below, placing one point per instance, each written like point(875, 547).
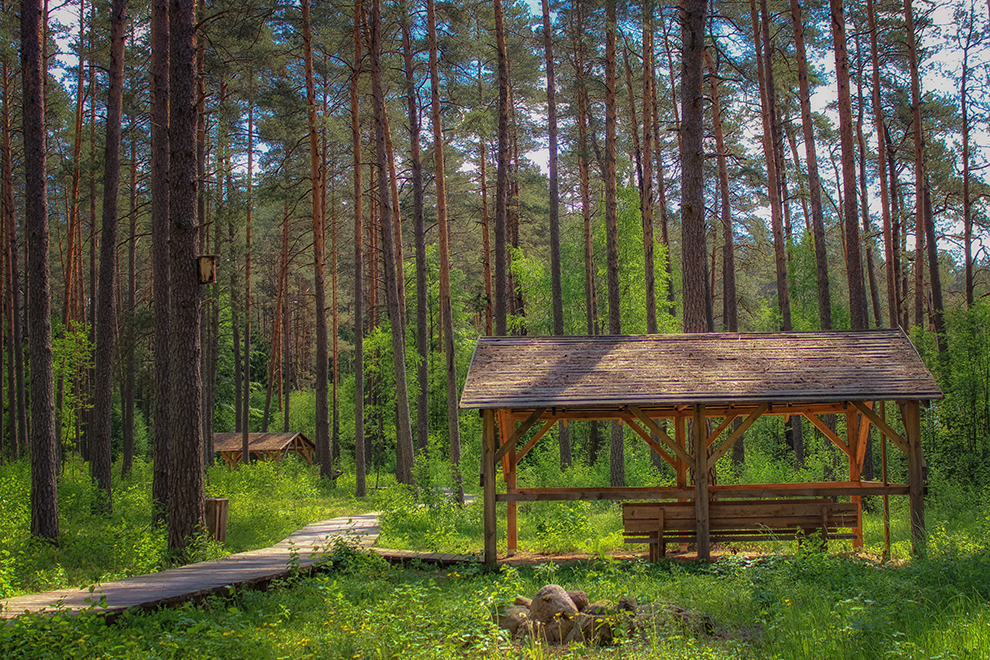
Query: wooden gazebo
point(264, 446)
point(524, 383)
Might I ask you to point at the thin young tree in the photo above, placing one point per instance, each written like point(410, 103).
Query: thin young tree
point(359, 442)
point(563, 435)
point(878, 119)
point(419, 237)
point(814, 184)
point(446, 306)
point(392, 299)
point(44, 444)
point(919, 162)
point(323, 451)
point(502, 180)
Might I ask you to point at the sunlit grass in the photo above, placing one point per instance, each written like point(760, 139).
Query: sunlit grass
point(267, 503)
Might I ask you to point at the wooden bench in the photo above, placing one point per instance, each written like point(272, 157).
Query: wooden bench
point(658, 523)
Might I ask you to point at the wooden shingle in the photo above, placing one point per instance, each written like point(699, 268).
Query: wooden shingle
point(608, 371)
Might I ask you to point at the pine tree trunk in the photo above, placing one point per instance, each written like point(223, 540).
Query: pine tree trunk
point(764, 68)
point(322, 440)
point(938, 306)
point(127, 386)
point(185, 518)
point(730, 314)
point(854, 265)
point(246, 370)
point(502, 180)
point(446, 309)
point(646, 188)
point(44, 444)
point(697, 305)
point(106, 311)
point(359, 443)
point(419, 239)
point(893, 308)
point(159, 252)
point(919, 165)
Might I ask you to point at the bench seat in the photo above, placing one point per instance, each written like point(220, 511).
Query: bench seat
point(659, 523)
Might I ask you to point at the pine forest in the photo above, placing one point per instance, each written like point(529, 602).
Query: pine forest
point(299, 216)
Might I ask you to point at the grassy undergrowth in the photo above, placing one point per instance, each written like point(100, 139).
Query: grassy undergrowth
point(808, 605)
point(267, 503)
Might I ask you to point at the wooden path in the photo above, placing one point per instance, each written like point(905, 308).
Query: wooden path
point(304, 548)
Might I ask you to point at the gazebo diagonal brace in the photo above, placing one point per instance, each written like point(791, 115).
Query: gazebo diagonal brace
point(659, 432)
point(654, 445)
point(520, 432)
point(883, 426)
point(734, 437)
point(829, 433)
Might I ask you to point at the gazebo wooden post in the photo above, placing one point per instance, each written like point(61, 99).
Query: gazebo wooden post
point(886, 482)
point(701, 482)
point(916, 477)
point(512, 533)
point(681, 468)
point(488, 477)
point(853, 422)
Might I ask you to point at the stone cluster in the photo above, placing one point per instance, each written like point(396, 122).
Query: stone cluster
point(557, 616)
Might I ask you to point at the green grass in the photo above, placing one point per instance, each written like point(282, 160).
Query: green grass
point(787, 603)
point(794, 606)
point(267, 503)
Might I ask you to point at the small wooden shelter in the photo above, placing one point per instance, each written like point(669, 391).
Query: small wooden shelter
point(263, 446)
point(524, 383)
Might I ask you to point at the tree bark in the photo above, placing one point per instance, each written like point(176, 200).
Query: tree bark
point(919, 164)
point(159, 251)
point(617, 470)
point(446, 309)
point(359, 439)
point(893, 309)
point(854, 266)
point(322, 440)
point(44, 444)
point(697, 295)
point(761, 34)
point(730, 313)
point(106, 314)
point(419, 239)
point(814, 184)
point(557, 302)
point(127, 386)
point(502, 180)
point(646, 187)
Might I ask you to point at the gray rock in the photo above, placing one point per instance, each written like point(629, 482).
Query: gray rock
point(627, 604)
point(513, 619)
point(522, 601)
point(550, 603)
point(580, 599)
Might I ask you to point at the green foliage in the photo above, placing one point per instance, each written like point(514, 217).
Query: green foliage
point(809, 605)
point(268, 501)
point(72, 355)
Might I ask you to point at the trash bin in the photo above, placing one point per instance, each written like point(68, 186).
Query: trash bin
point(216, 517)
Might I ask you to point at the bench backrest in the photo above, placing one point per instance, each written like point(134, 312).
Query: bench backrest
point(644, 517)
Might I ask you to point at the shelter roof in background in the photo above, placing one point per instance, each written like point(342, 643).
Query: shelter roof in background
point(257, 441)
point(608, 371)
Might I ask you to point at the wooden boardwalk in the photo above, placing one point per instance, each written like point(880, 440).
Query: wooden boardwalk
point(256, 568)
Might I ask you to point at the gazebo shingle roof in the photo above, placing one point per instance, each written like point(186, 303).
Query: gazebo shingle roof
point(256, 441)
point(609, 371)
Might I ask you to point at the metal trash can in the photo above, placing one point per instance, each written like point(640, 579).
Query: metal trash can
point(216, 517)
